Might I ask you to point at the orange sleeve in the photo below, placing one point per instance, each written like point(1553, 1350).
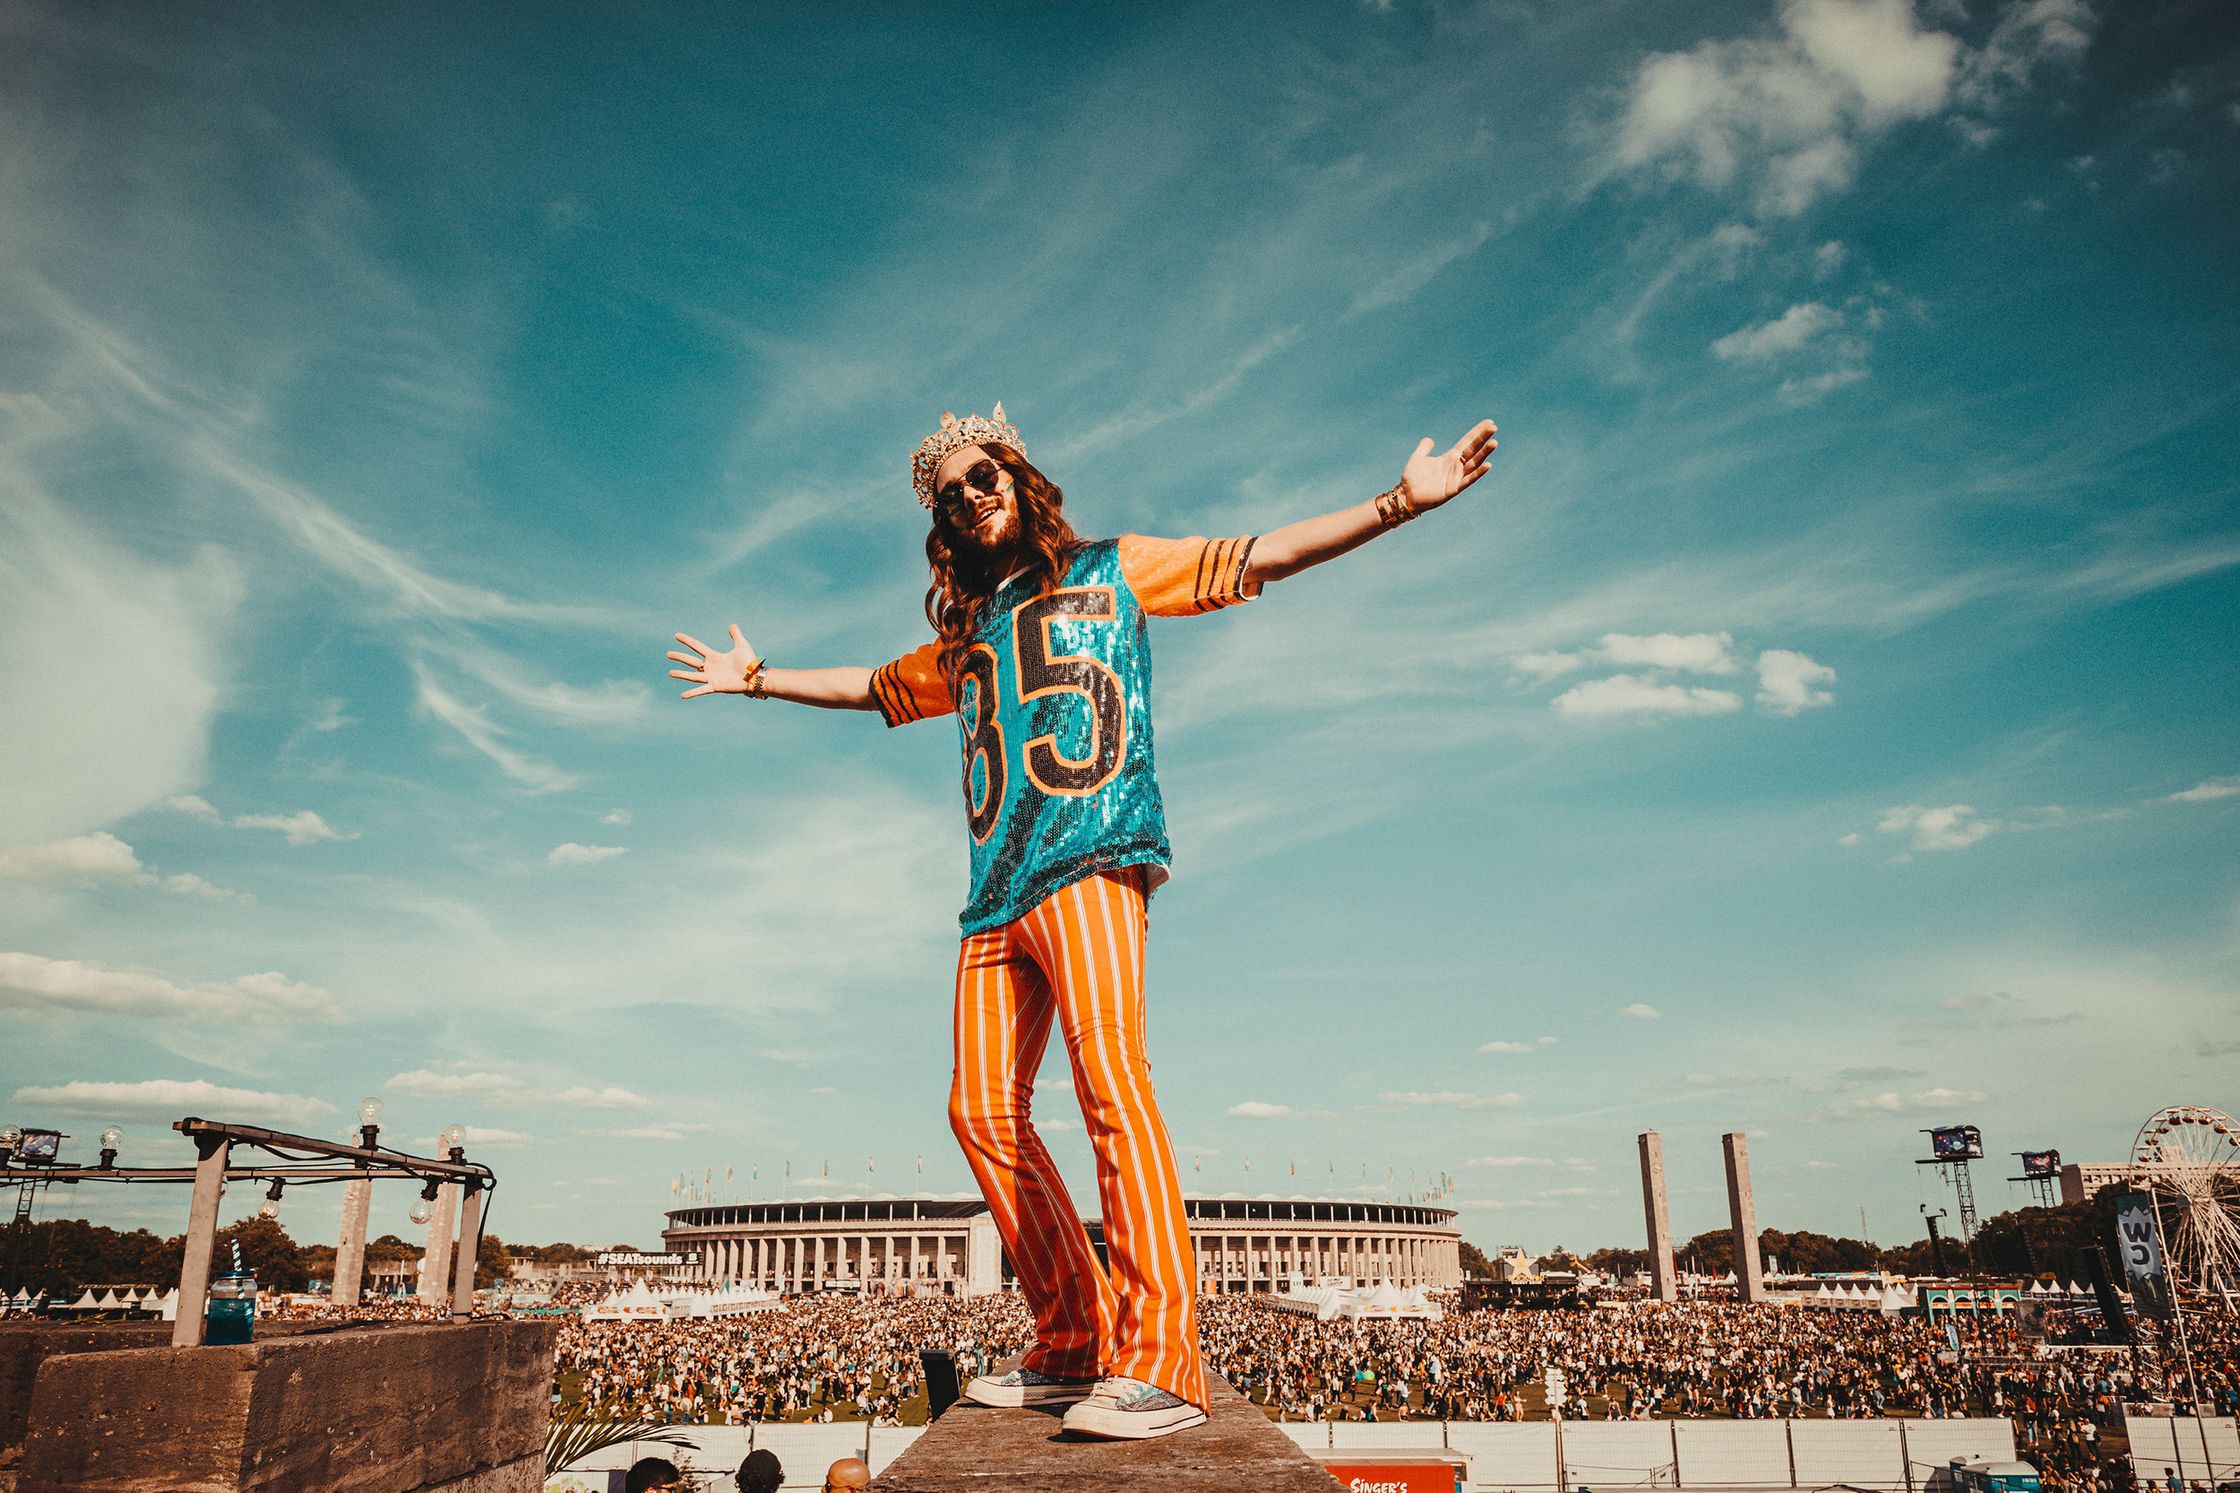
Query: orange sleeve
point(1183, 577)
point(912, 687)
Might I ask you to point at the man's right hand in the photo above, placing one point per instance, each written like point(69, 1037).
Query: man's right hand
point(715, 673)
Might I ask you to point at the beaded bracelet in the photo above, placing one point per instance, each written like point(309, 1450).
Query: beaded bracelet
point(752, 686)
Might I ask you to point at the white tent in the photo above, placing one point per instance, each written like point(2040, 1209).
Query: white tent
point(109, 1301)
point(168, 1308)
point(84, 1303)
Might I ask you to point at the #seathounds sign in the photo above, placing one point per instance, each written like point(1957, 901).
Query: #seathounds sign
point(634, 1260)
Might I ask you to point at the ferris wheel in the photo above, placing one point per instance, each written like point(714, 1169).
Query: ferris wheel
point(2188, 1156)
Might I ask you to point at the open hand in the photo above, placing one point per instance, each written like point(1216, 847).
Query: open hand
point(1431, 480)
point(713, 672)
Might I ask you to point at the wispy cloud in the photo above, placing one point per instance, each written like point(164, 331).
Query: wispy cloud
point(474, 726)
point(162, 1100)
point(303, 827)
point(37, 984)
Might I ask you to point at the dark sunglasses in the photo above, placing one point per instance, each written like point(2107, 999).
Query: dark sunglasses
point(982, 477)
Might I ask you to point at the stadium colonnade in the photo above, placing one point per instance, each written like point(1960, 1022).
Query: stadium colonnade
point(949, 1245)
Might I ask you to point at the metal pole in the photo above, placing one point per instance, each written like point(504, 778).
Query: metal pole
point(202, 1238)
point(350, 1253)
point(468, 1252)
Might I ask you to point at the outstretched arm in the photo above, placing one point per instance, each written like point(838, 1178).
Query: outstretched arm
point(1425, 483)
point(740, 671)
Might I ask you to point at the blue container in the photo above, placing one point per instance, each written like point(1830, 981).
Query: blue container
point(232, 1313)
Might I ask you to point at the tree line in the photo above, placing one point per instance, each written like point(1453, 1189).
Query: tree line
point(2059, 1241)
point(64, 1256)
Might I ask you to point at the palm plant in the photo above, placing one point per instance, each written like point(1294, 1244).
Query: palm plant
point(576, 1434)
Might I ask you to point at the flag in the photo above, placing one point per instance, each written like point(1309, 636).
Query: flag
point(1294, 1166)
point(827, 1171)
point(729, 1175)
point(921, 1166)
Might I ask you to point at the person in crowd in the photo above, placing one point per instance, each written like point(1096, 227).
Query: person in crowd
point(760, 1473)
point(848, 1475)
point(651, 1474)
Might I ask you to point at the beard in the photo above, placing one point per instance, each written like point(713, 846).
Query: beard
point(992, 541)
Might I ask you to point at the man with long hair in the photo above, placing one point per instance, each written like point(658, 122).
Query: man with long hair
point(1040, 652)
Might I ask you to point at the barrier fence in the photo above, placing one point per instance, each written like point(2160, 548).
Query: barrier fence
point(1875, 1456)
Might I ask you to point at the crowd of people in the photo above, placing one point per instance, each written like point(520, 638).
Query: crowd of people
point(841, 1358)
point(823, 1358)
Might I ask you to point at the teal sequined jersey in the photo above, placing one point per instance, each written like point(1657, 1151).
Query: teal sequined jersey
point(1053, 707)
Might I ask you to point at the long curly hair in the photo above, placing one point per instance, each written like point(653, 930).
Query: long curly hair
point(965, 576)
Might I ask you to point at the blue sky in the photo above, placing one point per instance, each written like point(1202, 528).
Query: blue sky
point(1821, 722)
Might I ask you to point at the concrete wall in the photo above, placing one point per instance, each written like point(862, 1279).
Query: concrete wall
point(457, 1407)
point(26, 1345)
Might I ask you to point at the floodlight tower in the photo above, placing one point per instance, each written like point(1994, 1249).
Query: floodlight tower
point(2040, 1171)
point(1951, 1148)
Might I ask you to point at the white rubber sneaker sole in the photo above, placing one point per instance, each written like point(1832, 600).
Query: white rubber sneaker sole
point(1111, 1424)
point(985, 1390)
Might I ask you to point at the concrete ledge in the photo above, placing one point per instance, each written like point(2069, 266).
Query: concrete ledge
point(1023, 1451)
point(459, 1407)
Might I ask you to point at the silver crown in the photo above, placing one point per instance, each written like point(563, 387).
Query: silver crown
point(955, 435)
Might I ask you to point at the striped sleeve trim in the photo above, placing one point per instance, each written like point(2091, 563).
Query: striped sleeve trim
point(892, 698)
point(1221, 569)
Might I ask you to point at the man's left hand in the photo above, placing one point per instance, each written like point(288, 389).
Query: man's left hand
point(1428, 480)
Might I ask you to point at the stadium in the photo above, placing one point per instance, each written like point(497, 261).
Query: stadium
point(948, 1246)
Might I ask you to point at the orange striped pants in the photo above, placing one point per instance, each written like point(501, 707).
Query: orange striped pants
point(1077, 959)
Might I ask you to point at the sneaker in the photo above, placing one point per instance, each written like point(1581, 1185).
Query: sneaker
point(1123, 1409)
point(1014, 1385)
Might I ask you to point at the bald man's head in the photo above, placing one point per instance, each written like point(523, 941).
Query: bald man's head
point(847, 1475)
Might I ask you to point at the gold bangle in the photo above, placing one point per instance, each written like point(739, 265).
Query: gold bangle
point(1393, 507)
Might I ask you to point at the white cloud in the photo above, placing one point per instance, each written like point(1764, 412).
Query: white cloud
point(1641, 1011)
point(1548, 665)
point(32, 982)
point(99, 856)
point(1891, 1103)
point(1788, 682)
point(1786, 333)
point(572, 854)
point(505, 1088)
point(677, 1131)
point(478, 1138)
point(615, 816)
point(1514, 1163)
point(166, 1099)
point(610, 1097)
point(187, 884)
point(1632, 694)
point(2031, 35)
point(1694, 652)
point(1449, 1099)
point(420, 1083)
point(1813, 388)
point(101, 752)
point(2206, 791)
point(304, 827)
point(301, 828)
point(1498, 1046)
point(1949, 827)
point(1784, 117)
point(1259, 1109)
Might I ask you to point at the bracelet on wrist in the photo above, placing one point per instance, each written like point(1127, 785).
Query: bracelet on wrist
point(1393, 507)
point(753, 687)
